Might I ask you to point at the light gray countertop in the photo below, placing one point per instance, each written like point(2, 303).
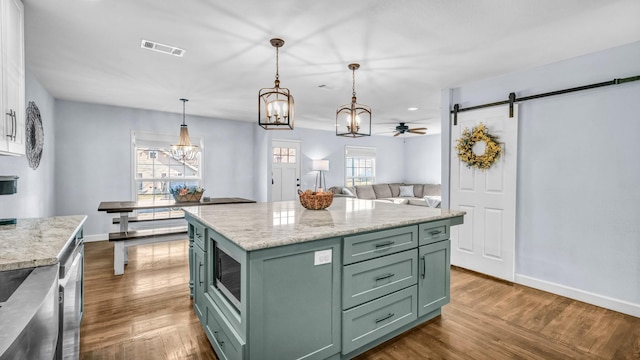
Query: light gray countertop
point(37, 241)
point(264, 225)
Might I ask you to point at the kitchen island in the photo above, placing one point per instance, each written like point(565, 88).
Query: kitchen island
point(277, 281)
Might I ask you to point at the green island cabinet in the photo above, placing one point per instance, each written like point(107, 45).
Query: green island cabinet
point(331, 298)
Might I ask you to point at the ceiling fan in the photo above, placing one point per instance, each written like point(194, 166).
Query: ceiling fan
point(402, 128)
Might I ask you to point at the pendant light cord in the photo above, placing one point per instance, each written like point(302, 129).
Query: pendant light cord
point(353, 88)
point(277, 59)
point(184, 101)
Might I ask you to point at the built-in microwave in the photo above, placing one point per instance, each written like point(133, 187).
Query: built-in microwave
point(227, 275)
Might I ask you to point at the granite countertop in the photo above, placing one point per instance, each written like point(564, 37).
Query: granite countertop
point(36, 242)
point(264, 225)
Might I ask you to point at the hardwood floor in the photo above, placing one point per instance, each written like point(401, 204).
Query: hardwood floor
point(147, 314)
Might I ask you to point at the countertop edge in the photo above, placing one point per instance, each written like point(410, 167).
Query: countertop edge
point(331, 233)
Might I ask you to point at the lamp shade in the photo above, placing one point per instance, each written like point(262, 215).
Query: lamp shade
point(320, 165)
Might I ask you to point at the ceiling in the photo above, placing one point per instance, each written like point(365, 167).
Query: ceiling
point(89, 51)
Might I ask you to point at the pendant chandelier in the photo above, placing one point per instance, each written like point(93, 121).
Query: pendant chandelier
point(184, 150)
point(275, 105)
point(353, 120)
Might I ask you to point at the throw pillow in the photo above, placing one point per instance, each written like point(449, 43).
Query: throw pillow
point(400, 201)
point(406, 191)
point(432, 201)
point(346, 191)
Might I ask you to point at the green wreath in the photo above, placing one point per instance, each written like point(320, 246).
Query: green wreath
point(465, 147)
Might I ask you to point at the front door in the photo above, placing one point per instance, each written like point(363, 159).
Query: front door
point(486, 241)
point(285, 168)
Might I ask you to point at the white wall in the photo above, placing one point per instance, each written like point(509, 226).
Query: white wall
point(423, 159)
point(93, 157)
point(318, 144)
point(578, 219)
point(35, 187)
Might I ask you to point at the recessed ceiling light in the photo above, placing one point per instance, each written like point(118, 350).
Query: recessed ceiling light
point(412, 109)
point(166, 49)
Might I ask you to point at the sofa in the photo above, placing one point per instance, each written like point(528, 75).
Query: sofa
point(397, 193)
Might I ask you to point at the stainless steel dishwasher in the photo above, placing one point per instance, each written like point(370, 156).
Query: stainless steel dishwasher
point(70, 299)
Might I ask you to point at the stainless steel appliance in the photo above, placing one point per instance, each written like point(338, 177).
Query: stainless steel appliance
point(228, 275)
point(70, 299)
point(8, 186)
point(29, 313)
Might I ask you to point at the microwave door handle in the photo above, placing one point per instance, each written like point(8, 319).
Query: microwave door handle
point(220, 269)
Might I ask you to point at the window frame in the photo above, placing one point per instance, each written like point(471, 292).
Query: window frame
point(161, 140)
point(361, 153)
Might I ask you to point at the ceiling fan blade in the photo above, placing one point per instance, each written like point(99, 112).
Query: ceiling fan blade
point(418, 132)
point(397, 133)
point(422, 128)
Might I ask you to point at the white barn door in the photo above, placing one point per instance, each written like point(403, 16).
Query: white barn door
point(486, 241)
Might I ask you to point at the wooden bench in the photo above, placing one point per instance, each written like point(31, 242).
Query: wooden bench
point(145, 219)
point(123, 240)
point(125, 237)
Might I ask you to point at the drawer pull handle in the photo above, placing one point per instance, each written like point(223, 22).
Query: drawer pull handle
point(384, 318)
point(424, 266)
point(215, 336)
point(385, 244)
point(200, 274)
point(435, 232)
point(382, 277)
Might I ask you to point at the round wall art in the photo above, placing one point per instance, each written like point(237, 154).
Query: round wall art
point(34, 135)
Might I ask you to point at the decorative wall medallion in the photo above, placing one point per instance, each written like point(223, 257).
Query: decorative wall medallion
point(34, 135)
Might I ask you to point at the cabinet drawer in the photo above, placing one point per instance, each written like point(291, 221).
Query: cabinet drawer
point(433, 232)
point(226, 342)
point(368, 322)
point(379, 243)
point(199, 235)
point(372, 279)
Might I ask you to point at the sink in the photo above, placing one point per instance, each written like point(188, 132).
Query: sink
point(10, 281)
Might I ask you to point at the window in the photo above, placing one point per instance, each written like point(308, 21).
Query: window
point(156, 171)
point(360, 165)
point(284, 155)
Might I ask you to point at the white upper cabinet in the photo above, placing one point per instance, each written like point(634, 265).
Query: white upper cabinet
point(12, 128)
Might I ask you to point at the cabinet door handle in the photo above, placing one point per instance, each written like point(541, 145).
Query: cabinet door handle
point(15, 126)
point(215, 336)
point(424, 266)
point(382, 277)
point(200, 274)
point(385, 244)
point(10, 134)
point(435, 232)
point(384, 318)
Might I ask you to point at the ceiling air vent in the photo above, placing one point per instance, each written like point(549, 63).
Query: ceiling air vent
point(167, 49)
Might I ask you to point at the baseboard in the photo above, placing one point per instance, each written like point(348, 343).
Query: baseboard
point(606, 302)
point(98, 237)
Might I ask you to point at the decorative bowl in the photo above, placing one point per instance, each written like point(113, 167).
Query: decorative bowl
point(193, 197)
point(315, 200)
point(184, 193)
